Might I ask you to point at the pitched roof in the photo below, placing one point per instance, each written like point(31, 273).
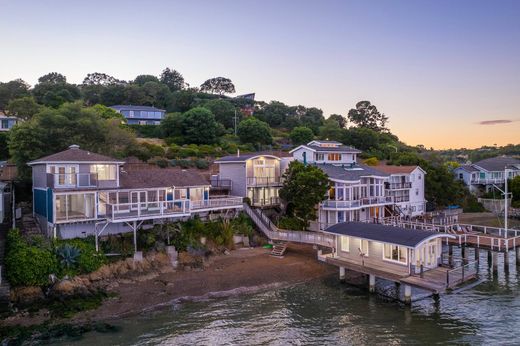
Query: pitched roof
point(468, 168)
point(396, 169)
point(386, 234)
point(498, 163)
point(74, 154)
point(137, 108)
point(349, 173)
point(245, 157)
point(341, 148)
point(161, 177)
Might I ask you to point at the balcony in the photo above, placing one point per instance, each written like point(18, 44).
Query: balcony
point(401, 199)
point(266, 202)
point(147, 210)
point(216, 203)
point(357, 203)
point(71, 180)
point(224, 184)
point(399, 186)
point(486, 181)
point(264, 181)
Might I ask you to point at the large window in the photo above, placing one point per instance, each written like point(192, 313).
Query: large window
point(395, 253)
point(345, 243)
point(104, 172)
point(334, 157)
point(75, 206)
point(319, 156)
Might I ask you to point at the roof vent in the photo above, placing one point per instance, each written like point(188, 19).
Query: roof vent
point(74, 146)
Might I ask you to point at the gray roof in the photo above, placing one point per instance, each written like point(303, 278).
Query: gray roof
point(498, 163)
point(468, 168)
point(74, 154)
point(382, 233)
point(350, 173)
point(137, 108)
point(245, 157)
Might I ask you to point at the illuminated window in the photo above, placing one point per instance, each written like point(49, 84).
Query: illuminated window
point(363, 246)
point(334, 157)
point(345, 243)
point(104, 172)
point(395, 253)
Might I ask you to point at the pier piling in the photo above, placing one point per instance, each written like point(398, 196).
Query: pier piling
point(517, 250)
point(371, 283)
point(506, 262)
point(476, 254)
point(407, 294)
point(342, 273)
point(494, 261)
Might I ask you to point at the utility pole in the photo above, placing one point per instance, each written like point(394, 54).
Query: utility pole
point(235, 121)
point(506, 211)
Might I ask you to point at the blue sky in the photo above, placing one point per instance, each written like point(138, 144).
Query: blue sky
point(436, 68)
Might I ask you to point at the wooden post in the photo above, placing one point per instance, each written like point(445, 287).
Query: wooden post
point(477, 254)
point(517, 250)
point(494, 257)
point(489, 258)
point(135, 236)
point(342, 273)
point(506, 261)
point(371, 283)
point(407, 294)
point(463, 252)
point(450, 255)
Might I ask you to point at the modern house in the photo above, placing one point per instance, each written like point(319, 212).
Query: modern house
point(482, 175)
point(140, 115)
point(323, 152)
point(7, 122)
point(257, 176)
point(77, 193)
point(406, 187)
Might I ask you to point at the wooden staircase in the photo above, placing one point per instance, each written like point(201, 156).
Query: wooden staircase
point(279, 249)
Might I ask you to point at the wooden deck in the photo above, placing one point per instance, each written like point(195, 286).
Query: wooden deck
point(436, 280)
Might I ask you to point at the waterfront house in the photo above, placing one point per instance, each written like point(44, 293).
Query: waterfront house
point(77, 193)
point(482, 175)
point(256, 176)
point(140, 115)
point(406, 187)
point(7, 122)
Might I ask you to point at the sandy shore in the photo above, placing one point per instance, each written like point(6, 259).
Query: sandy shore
point(243, 270)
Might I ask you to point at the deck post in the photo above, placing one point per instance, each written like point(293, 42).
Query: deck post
point(342, 273)
point(407, 294)
point(450, 254)
point(477, 254)
point(506, 261)
point(494, 257)
point(135, 236)
point(517, 250)
point(489, 258)
point(463, 252)
point(371, 283)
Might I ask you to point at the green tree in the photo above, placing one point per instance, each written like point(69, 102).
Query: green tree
point(171, 125)
point(514, 187)
point(254, 131)
point(331, 130)
point(4, 150)
point(55, 94)
point(340, 119)
point(224, 112)
point(275, 113)
point(145, 78)
point(173, 79)
point(98, 78)
point(366, 115)
point(23, 108)
point(371, 161)
point(12, 90)
point(156, 94)
point(199, 126)
point(53, 78)
point(304, 187)
point(218, 85)
point(301, 135)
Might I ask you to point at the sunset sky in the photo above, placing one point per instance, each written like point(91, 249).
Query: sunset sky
point(447, 73)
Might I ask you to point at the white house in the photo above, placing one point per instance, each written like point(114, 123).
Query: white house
point(406, 187)
point(325, 152)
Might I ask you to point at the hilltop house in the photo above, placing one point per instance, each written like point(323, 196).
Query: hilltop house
point(7, 122)
point(406, 187)
point(140, 115)
point(77, 193)
point(256, 176)
point(482, 175)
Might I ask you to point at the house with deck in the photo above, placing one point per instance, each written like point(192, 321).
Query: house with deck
point(257, 176)
point(406, 187)
point(482, 175)
point(77, 193)
point(407, 256)
point(140, 115)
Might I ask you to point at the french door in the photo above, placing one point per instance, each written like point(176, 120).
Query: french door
point(138, 200)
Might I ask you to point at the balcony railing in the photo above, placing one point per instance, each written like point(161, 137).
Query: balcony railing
point(357, 203)
point(399, 186)
point(145, 210)
point(487, 181)
point(221, 183)
point(216, 203)
point(400, 199)
point(265, 202)
point(71, 180)
point(264, 181)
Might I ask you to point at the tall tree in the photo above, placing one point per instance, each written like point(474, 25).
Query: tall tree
point(23, 108)
point(224, 112)
point(11, 90)
point(274, 113)
point(340, 119)
point(331, 130)
point(254, 131)
point(53, 78)
point(173, 79)
point(144, 78)
point(304, 187)
point(199, 126)
point(366, 115)
point(55, 94)
point(218, 85)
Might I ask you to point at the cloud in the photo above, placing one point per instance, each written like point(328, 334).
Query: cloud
point(496, 122)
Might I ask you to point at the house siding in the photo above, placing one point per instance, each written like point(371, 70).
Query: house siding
point(236, 172)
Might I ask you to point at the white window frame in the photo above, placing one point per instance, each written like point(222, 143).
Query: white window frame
point(398, 254)
point(362, 244)
point(342, 240)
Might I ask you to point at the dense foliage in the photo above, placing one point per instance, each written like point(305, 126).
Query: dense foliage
point(304, 187)
point(301, 135)
point(252, 130)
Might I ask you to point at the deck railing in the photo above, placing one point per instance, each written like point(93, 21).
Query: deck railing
point(399, 186)
point(221, 183)
point(264, 181)
point(357, 203)
point(462, 273)
point(144, 210)
point(216, 203)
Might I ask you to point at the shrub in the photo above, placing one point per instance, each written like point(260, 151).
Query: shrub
point(202, 164)
point(27, 265)
point(291, 223)
point(88, 260)
point(68, 256)
point(371, 161)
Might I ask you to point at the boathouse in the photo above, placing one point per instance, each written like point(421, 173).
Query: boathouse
point(408, 256)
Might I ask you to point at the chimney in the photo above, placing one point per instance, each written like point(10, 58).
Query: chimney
point(74, 146)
